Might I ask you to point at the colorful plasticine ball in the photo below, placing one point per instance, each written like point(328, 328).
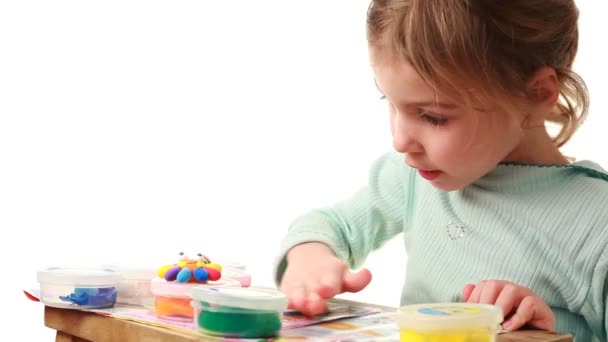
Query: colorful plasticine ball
point(187, 270)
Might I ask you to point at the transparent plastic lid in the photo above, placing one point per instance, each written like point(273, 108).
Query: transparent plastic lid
point(235, 273)
point(449, 316)
point(263, 299)
point(79, 276)
point(133, 272)
point(161, 287)
point(232, 264)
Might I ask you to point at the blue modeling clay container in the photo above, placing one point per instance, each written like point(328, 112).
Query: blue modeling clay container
point(238, 312)
point(78, 288)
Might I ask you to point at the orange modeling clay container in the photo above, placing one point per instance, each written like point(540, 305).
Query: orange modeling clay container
point(172, 299)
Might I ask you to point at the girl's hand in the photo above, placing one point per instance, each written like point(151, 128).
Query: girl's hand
point(519, 304)
point(314, 274)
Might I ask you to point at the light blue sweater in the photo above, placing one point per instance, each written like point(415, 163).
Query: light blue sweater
point(543, 227)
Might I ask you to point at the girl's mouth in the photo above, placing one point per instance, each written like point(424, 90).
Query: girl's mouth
point(429, 174)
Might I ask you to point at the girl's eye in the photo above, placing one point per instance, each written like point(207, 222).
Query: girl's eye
point(434, 120)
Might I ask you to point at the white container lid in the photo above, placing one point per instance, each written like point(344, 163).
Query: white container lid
point(96, 277)
point(161, 287)
point(442, 316)
point(263, 299)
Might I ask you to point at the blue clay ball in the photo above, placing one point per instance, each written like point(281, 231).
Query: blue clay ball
point(201, 275)
point(184, 275)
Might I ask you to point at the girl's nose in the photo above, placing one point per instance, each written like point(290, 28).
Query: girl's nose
point(404, 140)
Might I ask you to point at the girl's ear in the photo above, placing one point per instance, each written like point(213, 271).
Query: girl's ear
point(544, 88)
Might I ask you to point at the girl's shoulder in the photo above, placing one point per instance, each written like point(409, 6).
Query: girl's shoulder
point(578, 174)
point(588, 179)
point(589, 169)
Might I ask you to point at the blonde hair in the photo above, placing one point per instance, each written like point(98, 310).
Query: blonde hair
point(485, 51)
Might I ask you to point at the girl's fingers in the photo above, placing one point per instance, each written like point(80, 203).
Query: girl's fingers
point(466, 292)
point(305, 299)
point(476, 293)
point(531, 311)
point(329, 285)
point(486, 291)
point(315, 305)
point(297, 297)
point(308, 302)
point(309, 295)
point(355, 282)
point(525, 312)
point(518, 301)
point(509, 298)
point(490, 291)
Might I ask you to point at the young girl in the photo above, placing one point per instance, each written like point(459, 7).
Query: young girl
point(490, 209)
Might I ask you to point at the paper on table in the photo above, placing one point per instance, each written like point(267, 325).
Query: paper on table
point(291, 319)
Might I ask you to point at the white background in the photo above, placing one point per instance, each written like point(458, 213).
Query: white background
point(132, 130)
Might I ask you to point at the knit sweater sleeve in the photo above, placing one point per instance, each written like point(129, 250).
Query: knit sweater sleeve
point(596, 308)
point(355, 227)
point(603, 330)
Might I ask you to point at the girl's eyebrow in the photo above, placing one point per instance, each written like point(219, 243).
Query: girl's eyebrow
point(432, 103)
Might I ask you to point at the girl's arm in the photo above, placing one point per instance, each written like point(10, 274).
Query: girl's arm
point(355, 227)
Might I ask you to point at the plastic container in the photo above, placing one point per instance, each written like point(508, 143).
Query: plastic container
point(242, 276)
point(233, 264)
point(238, 312)
point(134, 285)
point(449, 322)
point(78, 288)
point(172, 299)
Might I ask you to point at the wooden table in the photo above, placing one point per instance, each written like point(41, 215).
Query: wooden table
point(82, 326)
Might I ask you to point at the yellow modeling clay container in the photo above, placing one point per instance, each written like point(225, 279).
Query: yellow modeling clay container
point(449, 322)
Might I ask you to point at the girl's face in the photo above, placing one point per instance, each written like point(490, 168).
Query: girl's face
point(450, 147)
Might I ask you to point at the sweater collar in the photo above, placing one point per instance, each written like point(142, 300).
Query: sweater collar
point(522, 177)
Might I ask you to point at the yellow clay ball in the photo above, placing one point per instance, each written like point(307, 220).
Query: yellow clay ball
point(163, 270)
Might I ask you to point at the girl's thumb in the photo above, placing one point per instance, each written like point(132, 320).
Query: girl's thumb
point(356, 281)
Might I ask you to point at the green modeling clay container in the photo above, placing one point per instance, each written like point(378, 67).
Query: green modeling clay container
point(449, 322)
point(238, 312)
